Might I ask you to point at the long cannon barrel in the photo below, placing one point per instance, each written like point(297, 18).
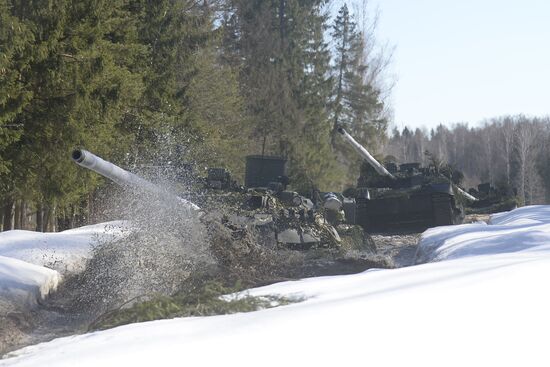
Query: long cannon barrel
point(465, 194)
point(364, 153)
point(122, 177)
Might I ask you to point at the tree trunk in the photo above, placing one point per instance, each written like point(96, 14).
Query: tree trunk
point(73, 217)
point(17, 215)
point(263, 144)
point(282, 32)
point(46, 219)
point(23, 213)
point(90, 218)
point(52, 225)
point(62, 221)
point(8, 216)
point(39, 218)
point(522, 183)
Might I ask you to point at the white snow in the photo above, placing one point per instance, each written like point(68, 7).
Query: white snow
point(479, 300)
point(23, 284)
point(63, 251)
point(32, 263)
point(522, 230)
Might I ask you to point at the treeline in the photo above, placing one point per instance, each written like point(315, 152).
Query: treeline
point(510, 152)
point(185, 80)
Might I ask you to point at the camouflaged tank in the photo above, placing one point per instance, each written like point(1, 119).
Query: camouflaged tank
point(402, 198)
point(492, 199)
point(279, 216)
point(276, 216)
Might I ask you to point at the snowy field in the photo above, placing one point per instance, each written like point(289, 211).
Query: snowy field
point(476, 298)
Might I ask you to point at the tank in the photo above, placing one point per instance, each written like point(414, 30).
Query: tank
point(264, 207)
point(492, 199)
point(407, 197)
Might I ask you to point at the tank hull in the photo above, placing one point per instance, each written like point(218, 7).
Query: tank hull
point(411, 198)
point(416, 213)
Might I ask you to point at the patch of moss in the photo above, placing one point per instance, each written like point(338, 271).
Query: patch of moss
point(209, 300)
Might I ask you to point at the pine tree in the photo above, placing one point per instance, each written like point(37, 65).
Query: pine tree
point(313, 161)
point(15, 42)
point(285, 61)
point(346, 41)
point(356, 103)
point(81, 84)
point(215, 114)
point(15, 56)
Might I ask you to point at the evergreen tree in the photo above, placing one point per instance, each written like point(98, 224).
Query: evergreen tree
point(284, 60)
point(15, 56)
point(15, 42)
point(215, 114)
point(172, 31)
point(356, 103)
point(346, 43)
point(108, 77)
point(80, 83)
point(313, 161)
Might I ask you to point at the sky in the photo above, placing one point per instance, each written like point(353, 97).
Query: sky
point(466, 60)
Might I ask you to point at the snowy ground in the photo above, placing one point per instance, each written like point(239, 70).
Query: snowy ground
point(477, 297)
point(33, 263)
point(522, 230)
point(22, 284)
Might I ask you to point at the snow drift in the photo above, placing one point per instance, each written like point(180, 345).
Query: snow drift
point(522, 230)
point(33, 263)
point(63, 251)
point(22, 284)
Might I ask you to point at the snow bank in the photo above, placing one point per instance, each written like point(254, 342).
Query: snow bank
point(520, 230)
point(467, 311)
point(23, 284)
point(31, 263)
point(63, 251)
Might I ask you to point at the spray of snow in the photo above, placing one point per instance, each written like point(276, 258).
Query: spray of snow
point(164, 245)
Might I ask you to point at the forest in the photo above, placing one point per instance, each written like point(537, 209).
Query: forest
point(205, 83)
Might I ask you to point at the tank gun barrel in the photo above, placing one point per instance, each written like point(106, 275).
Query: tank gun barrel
point(122, 177)
point(465, 194)
point(364, 153)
